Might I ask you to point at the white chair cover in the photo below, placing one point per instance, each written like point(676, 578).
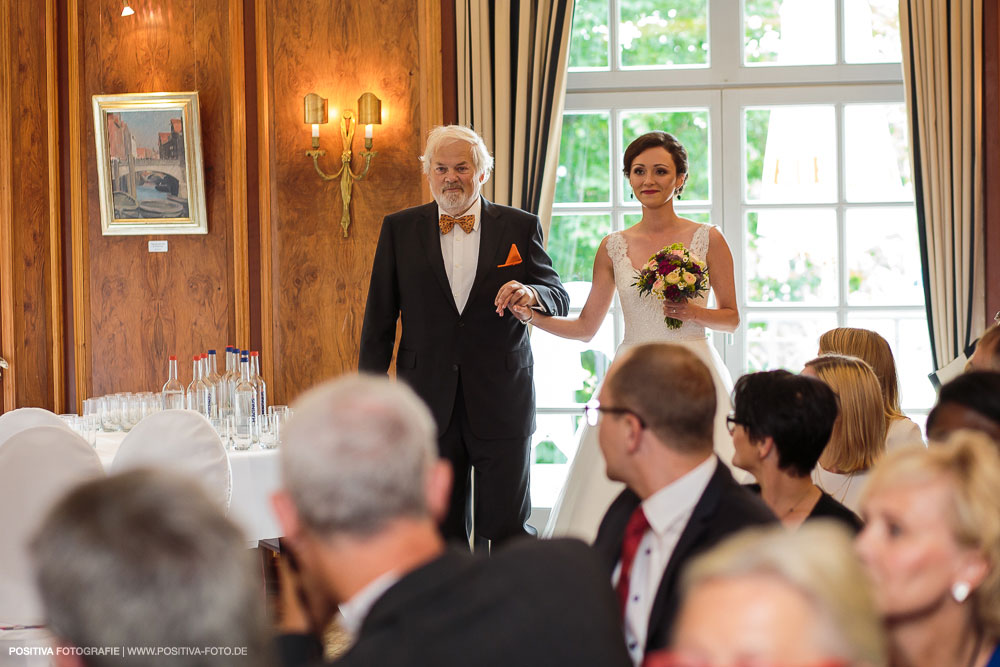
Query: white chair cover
point(37, 467)
point(11, 640)
point(181, 440)
point(18, 420)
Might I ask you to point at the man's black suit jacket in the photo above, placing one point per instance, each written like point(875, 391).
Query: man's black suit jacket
point(724, 508)
point(438, 345)
point(530, 604)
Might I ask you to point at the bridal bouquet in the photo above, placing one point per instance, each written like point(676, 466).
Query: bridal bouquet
point(673, 274)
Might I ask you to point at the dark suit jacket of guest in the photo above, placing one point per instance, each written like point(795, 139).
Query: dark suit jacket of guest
point(438, 345)
point(724, 508)
point(530, 604)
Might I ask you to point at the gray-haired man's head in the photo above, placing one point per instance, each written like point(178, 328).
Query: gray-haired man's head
point(145, 560)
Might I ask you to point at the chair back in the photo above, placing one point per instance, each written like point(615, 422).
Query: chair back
point(37, 467)
point(183, 441)
point(15, 421)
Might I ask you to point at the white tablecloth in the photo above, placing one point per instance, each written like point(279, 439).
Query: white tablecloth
point(256, 475)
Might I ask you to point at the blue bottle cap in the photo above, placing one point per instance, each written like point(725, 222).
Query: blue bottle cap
point(211, 351)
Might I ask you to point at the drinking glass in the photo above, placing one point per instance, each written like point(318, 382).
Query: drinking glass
point(277, 416)
point(131, 410)
point(148, 404)
point(111, 413)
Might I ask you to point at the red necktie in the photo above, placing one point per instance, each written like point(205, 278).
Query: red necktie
point(634, 530)
point(466, 222)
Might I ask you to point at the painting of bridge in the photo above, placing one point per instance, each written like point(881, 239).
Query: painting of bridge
point(150, 162)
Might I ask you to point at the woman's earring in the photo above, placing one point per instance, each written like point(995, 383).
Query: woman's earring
point(631, 195)
point(960, 591)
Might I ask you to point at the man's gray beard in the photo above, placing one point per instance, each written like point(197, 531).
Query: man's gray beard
point(453, 200)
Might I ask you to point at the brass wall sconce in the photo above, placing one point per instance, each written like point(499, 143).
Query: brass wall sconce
point(369, 113)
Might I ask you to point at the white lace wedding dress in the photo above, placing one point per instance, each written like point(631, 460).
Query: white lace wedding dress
point(588, 492)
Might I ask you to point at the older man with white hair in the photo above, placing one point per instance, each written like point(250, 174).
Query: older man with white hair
point(452, 269)
point(143, 568)
point(364, 488)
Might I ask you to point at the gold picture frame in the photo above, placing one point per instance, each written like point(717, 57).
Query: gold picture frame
point(149, 166)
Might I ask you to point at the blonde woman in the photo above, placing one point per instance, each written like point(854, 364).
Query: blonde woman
point(875, 351)
point(931, 545)
point(772, 597)
point(858, 439)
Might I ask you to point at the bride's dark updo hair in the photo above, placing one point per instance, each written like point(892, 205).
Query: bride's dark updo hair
point(663, 140)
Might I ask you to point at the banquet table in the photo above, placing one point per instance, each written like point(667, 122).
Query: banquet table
point(256, 475)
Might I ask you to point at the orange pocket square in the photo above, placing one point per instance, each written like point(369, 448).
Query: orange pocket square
point(513, 257)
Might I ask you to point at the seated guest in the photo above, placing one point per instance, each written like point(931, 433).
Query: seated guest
point(858, 438)
point(146, 560)
point(785, 599)
point(875, 351)
point(970, 401)
point(987, 354)
point(364, 491)
point(931, 545)
point(657, 409)
point(780, 425)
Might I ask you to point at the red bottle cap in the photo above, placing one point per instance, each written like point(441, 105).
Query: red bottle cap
point(254, 354)
point(172, 357)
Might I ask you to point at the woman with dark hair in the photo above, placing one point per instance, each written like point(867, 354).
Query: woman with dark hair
point(781, 423)
point(972, 401)
point(657, 168)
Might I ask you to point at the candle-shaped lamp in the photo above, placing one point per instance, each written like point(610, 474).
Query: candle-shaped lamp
point(369, 113)
point(315, 114)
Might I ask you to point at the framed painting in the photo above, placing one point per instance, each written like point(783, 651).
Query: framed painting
point(149, 168)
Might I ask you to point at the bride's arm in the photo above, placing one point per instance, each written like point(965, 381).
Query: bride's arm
point(585, 325)
point(725, 316)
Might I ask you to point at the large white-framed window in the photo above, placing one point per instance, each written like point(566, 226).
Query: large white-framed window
point(792, 112)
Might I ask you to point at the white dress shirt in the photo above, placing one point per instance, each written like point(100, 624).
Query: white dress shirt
point(667, 511)
point(356, 609)
point(461, 255)
point(460, 252)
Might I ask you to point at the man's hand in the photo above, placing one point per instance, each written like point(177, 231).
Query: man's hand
point(302, 609)
point(514, 293)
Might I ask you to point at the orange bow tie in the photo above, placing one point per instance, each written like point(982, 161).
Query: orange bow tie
point(466, 222)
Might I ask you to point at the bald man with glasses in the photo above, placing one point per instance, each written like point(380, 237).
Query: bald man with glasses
point(655, 414)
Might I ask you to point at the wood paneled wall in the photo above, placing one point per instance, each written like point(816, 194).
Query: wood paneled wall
point(30, 255)
point(130, 309)
point(140, 307)
point(316, 281)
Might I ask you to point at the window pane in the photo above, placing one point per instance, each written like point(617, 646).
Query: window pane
point(690, 126)
point(789, 32)
point(883, 257)
point(567, 372)
point(782, 341)
point(871, 31)
point(573, 242)
point(663, 33)
point(588, 43)
point(878, 153)
point(584, 159)
point(911, 347)
point(553, 446)
point(791, 154)
point(791, 256)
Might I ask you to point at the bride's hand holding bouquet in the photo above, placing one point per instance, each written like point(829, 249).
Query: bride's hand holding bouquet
point(673, 275)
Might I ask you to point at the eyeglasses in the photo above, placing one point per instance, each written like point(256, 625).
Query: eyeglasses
point(731, 423)
point(593, 409)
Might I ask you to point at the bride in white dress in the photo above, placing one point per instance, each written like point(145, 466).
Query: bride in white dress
point(656, 166)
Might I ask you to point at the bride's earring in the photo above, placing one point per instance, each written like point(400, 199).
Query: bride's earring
point(631, 195)
point(960, 591)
